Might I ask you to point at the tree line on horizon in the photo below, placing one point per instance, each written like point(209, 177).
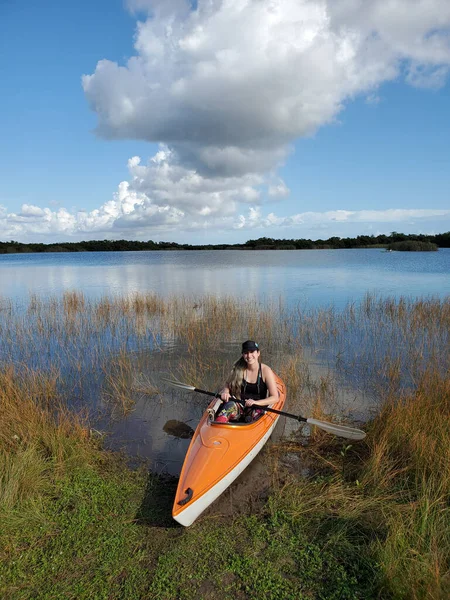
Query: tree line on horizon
point(409, 241)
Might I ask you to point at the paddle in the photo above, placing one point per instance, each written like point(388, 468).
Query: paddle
point(340, 430)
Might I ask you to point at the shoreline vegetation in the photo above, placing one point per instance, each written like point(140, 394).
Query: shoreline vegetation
point(329, 520)
point(394, 241)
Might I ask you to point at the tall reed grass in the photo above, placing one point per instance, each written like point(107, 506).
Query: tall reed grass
point(410, 458)
point(39, 436)
point(378, 348)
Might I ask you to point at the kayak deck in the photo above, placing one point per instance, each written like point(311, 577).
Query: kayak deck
point(217, 454)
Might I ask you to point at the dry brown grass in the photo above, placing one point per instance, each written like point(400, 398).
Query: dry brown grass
point(38, 435)
point(118, 383)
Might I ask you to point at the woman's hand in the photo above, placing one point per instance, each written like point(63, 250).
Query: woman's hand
point(250, 402)
point(225, 395)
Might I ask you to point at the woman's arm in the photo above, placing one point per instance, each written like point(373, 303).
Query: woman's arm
point(269, 378)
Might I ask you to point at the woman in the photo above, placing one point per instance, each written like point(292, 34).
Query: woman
point(250, 381)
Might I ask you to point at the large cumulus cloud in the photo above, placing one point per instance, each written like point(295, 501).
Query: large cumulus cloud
point(228, 85)
point(252, 75)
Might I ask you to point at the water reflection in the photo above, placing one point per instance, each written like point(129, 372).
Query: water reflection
point(312, 277)
point(158, 433)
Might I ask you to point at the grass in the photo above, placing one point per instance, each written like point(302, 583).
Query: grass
point(393, 491)
point(348, 521)
point(410, 457)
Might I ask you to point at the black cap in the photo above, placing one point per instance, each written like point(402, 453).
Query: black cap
point(249, 346)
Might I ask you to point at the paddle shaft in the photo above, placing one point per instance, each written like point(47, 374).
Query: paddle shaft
point(266, 408)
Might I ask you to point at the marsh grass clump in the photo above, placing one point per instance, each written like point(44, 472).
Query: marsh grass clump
point(73, 302)
point(410, 456)
point(66, 507)
point(212, 322)
point(295, 370)
point(38, 436)
point(118, 388)
point(413, 246)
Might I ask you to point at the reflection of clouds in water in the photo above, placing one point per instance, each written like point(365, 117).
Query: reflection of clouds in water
point(48, 280)
point(62, 278)
point(20, 282)
point(317, 277)
point(172, 279)
point(200, 281)
point(166, 280)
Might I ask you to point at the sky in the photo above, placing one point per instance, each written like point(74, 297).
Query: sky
point(220, 121)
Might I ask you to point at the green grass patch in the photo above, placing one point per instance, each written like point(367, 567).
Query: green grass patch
point(105, 531)
point(260, 556)
point(81, 542)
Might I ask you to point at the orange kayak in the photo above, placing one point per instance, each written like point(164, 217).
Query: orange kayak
point(217, 454)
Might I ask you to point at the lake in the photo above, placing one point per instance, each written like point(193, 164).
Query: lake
point(345, 361)
point(308, 277)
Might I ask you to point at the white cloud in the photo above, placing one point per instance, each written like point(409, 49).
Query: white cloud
point(160, 196)
point(137, 214)
point(423, 76)
point(311, 219)
point(29, 210)
point(251, 75)
point(166, 181)
point(159, 7)
point(229, 86)
point(278, 189)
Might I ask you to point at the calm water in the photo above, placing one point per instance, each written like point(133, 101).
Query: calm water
point(311, 277)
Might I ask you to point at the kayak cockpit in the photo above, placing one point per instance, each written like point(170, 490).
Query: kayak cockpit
point(213, 411)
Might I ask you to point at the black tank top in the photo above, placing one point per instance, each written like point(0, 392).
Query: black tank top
point(254, 391)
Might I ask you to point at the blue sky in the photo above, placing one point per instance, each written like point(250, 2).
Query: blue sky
point(271, 118)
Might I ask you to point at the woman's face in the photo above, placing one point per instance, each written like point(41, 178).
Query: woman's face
point(251, 357)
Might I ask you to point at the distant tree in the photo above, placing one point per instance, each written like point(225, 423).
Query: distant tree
point(335, 242)
point(442, 239)
point(397, 237)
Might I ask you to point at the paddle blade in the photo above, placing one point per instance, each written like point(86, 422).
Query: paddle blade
point(178, 384)
point(341, 430)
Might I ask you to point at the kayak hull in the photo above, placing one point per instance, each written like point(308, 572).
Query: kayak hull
point(217, 455)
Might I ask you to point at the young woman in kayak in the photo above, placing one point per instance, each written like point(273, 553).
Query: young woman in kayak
point(250, 381)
